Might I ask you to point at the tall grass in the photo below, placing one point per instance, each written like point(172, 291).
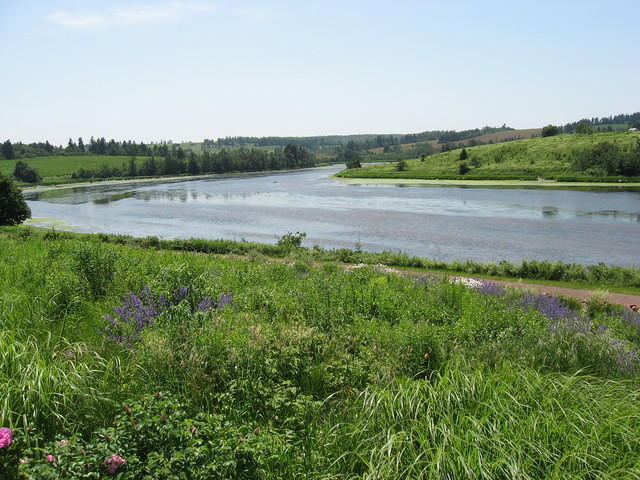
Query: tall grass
point(302, 372)
point(510, 422)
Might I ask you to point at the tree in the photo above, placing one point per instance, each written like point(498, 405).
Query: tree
point(463, 154)
point(132, 168)
point(463, 168)
point(584, 128)
point(80, 144)
point(401, 166)
point(354, 161)
point(26, 173)
point(13, 209)
point(192, 165)
point(550, 131)
point(7, 150)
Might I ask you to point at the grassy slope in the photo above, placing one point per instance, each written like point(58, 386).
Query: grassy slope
point(529, 158)
point(347, 375)
point(64, 166)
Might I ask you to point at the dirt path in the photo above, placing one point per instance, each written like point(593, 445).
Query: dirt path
point(583, 295)
point(632, 301)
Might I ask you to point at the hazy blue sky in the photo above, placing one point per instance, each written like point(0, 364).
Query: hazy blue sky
point(153, 70)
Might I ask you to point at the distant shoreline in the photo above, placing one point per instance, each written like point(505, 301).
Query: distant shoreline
point(486, 183)
point(119, 181)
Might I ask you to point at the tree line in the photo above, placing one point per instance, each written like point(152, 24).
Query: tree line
point(96, 146)
point(176, 162)
point(632, 119)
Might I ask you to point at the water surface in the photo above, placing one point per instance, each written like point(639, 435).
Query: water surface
point(447, 223)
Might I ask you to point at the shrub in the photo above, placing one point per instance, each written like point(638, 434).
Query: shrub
point(26, 173)
point(291, 240)
point(13, 208)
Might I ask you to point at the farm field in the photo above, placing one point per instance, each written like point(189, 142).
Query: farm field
point(132, 360)
point(528, 159)
point(54, 167)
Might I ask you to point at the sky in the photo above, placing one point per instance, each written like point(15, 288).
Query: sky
point(152, 70)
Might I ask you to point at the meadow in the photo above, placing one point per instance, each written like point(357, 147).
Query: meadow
point(131, 361)
point(527, 159)
point(59, 168)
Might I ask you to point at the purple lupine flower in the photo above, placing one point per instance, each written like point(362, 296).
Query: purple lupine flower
point(225, 299)
point(180, 293)
point(491, 288)
point(205, 304)
point(135, 314)
point(550, 307)
point(631, 317)
point(138, 312)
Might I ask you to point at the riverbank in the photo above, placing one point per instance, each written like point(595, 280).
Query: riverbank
point(624, 280)
point(549, 184)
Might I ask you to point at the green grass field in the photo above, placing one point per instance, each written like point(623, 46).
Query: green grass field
point(191, 365)
point(60, 166)
point(548, 157)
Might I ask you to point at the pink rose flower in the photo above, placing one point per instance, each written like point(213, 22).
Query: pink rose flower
point(113, 463)
point(64, 442)
point(50, 458)
point(6, 437)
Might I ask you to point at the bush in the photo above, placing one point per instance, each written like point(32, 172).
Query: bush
point(13, 208)
point(26, 173)
point(291, 240)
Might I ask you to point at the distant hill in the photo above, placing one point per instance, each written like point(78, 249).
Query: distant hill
point(563, 156)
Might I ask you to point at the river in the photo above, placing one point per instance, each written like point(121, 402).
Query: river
point(445, 223)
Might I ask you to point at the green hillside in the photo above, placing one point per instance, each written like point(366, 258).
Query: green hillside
point(568, 156)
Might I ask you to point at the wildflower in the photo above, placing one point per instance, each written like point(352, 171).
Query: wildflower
point(426, 356)
point(205, 304)
point(180, 293)
point(225, 299)
point(490, 288)
point(23, 461)
point(257, 431)
point(6, 437)
point(113, 463)
point(50, 458)
point(64, 442)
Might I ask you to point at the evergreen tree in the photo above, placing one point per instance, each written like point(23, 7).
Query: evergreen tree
point(463, 154)
point(80, 144)
point(192, 166)
point(7, 150)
